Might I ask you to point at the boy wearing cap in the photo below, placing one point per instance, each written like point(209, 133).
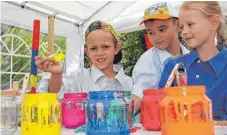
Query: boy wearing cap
point(162, 26)
point(104, 51)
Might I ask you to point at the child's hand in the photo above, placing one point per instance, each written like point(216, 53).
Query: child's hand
point(47, 66)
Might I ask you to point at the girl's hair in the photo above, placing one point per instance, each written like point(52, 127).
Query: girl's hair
point(210, 9)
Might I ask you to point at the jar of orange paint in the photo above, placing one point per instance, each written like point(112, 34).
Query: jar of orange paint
point(186, 110)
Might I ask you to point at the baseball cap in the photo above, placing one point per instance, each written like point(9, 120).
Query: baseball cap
point(160, 11)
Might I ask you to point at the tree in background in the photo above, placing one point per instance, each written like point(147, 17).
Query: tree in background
point(133, 46)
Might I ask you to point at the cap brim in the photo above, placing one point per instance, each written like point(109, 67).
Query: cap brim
point(156, 17)
point(118, 57)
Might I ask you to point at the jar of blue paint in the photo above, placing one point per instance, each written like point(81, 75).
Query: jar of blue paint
point(107, 113)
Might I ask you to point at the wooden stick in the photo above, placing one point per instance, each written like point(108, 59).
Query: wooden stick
point(51, 34)
point(220, 123)
point(8, 93)
point(15, 86)
point(13, 92)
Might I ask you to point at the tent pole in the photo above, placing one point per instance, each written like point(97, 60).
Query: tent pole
point(96, 12)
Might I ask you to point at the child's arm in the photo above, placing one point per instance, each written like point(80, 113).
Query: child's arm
point(55, 83)
point(63, 83)
point(69, 83)
point(54, 68)
point(137, 103)
point(146, 74)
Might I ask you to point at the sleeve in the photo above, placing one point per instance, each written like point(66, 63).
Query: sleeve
point(70, 83)
point(129, 83)
point(145, 75)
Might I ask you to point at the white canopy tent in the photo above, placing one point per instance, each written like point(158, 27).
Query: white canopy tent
point(73, 17)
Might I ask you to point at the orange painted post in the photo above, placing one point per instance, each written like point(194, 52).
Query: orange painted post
point(148, 42)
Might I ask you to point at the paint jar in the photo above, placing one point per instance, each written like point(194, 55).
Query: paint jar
point(128, 100)
point(73, 109)
point(41, 115)
point(186, 110)
point(9, 115)
point(150, 109)
point(107, 113)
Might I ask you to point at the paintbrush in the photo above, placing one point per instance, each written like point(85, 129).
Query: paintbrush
point(181, 75)
point(54, 57)
point(172, 76)
point(24, 86)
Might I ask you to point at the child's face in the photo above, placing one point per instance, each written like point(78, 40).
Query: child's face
point(101, 49)
point(196, 28)
point(162, 33)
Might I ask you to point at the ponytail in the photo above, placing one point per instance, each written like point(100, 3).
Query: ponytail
point(221, 33)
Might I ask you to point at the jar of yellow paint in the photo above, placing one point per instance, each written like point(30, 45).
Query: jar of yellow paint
point(41, 115)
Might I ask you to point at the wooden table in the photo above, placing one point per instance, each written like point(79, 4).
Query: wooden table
point(219, 130)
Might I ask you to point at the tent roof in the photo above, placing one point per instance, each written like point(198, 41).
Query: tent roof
point(124, 15)
point(75, 11)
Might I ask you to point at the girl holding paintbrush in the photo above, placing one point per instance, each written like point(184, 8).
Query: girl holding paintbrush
point(206, 64)
point(104, 51)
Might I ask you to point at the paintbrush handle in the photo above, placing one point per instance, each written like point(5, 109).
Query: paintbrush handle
point(220, 123)
point(51, 34)
point(172, 76)
point(35, 49)
point(25, 84)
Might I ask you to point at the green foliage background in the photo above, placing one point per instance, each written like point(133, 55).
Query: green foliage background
point(133, 46)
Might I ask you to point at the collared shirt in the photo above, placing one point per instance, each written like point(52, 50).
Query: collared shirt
point(91, 79)
point(211, 73)
point(148, 69)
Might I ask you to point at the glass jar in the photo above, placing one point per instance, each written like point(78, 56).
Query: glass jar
point(41, 114)
point(130, 102)
point(73, 109)
point(186, 110)
point(9, 115)
point(150, 109)
point(107, 113)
